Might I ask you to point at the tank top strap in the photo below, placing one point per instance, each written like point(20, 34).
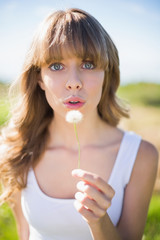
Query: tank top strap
point(126, 157)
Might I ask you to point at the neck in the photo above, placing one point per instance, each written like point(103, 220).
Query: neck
point(62, 133)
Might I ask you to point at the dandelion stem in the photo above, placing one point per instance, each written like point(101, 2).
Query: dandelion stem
point(79, 150)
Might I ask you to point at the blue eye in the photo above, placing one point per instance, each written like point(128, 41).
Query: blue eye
point(88, 65)
point(56, 66)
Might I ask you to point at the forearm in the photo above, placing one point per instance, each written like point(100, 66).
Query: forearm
point(22, 229)
point(104, 230)
point(24, 236)
point(21, 222)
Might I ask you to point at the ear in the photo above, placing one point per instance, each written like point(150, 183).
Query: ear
point(40, 82)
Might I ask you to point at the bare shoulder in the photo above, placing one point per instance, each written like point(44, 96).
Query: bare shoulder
point(148, 155)
point(146, 164)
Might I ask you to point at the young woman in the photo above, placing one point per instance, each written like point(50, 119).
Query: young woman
point(73, 64)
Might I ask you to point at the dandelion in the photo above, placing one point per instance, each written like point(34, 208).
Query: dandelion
point(75, 117)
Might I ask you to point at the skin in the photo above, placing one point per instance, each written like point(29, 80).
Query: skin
point(74, 78)
point(56, 171)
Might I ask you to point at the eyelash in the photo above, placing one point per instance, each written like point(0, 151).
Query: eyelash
point(91, 63)
point(54, 64)
point(60, 66)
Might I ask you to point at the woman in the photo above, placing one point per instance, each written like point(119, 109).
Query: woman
point(73, 64)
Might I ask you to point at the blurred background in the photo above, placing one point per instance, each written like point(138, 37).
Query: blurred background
point(134, 26)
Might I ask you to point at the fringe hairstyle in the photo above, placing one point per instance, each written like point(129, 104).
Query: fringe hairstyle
point(24, 139)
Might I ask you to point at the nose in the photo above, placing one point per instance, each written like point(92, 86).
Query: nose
point(73, 81)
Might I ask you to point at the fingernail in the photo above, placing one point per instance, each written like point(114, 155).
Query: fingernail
point(77, 172)
point(79, 196)
point(81, 186)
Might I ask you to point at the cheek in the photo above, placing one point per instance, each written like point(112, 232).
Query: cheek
point(52, 85)
point(94, 91)
point(49, 83)
point(98, 93)
point(52, 92)
point(49, 80)
point(95, 86)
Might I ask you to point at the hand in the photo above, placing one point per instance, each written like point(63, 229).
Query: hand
point(94, 196)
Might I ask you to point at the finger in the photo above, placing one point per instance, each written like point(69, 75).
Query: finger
point(87, 214)
point(99, 197)
point(95, 180)
point(89, 204)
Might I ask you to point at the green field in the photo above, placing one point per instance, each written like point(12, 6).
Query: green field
point(145, 101)
point(141, 94)
point(7, 224)
point(4, 103)
point(152, 229)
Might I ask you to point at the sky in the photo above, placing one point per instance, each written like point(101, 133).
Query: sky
point(133, 25)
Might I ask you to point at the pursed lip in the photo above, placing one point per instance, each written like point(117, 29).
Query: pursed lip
point(74, 102)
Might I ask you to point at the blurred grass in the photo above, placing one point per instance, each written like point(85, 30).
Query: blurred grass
point(141, 94)
point(144, 100)
point(152, 229)
point(8, 230)
point(145, 120)
point(4, 109)
point(4, 103)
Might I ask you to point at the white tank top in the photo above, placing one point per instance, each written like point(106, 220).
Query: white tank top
point(57, 219)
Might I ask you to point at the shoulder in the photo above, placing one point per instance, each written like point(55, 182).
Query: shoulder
point(146, 163)
point(148, 154)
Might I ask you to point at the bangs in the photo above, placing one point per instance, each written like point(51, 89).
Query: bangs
point(73, 34)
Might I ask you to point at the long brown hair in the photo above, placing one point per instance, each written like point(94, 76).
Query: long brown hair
point(24, 139)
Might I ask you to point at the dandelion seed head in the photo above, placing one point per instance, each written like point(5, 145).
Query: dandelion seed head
point(74, 116)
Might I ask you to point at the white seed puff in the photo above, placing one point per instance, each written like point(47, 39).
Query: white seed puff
point(74, 116)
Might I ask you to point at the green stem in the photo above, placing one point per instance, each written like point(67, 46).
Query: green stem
point(79, 150)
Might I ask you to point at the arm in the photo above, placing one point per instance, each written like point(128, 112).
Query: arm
point(138, 193)
point(22, 225)
point(96, 195)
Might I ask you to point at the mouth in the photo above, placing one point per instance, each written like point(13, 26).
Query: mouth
point(74, 102)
